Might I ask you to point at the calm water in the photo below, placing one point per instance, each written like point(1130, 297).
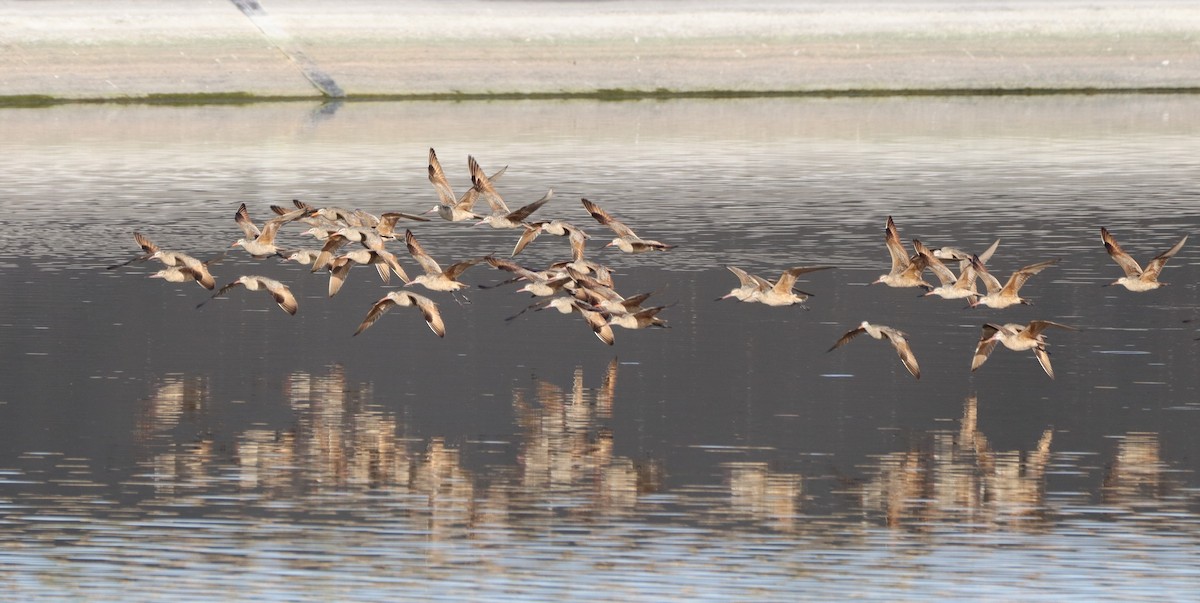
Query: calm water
point(149, 449)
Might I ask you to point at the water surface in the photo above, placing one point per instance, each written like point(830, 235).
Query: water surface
point(149, 449)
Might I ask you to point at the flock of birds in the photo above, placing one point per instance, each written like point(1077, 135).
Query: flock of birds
point(585, 287)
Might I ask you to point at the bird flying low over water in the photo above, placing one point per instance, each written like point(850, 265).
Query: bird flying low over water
point(906, 271)
point(1016, 337)
point(778, 293)
point(626, 240)
point(181, 267)
point(953, 287)
point(1003, 296)
point(898, 339)
point(429, 309)
point(449, 207)
point(1137, 279)
point(261, 243)
point(279, 291)
point(435, 279)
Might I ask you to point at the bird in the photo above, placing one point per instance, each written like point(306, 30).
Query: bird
point(953, 287)
point(196, 270)
point(435, 279)
point(283, 296)
point(750, 288)
point(639, 320)
point(1016, 337)
point(781, 292)
point(539, 284)
point(386, 227)
point(482, 184)
point(182, 274)
point(1004, 296)
point(433, 317)
point(262, 243)
point(567, 305)
point(449, 207)
point(626, 240)
point(1136, 279)
point(384, 261)
point(898, 339)
point(559, 228)
point(906, 271)
point(516, 218)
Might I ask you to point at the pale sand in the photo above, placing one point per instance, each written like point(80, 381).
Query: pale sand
point(134, 48)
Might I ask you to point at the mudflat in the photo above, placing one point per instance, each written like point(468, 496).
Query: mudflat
point(138, 48)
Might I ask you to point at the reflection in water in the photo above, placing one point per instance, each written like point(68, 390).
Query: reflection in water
point(959, 477)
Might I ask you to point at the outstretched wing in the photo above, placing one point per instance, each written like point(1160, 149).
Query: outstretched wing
point(1156, 265)
point(604, 218)
point(985, 346)
point(1124, 260)
point(844, 339)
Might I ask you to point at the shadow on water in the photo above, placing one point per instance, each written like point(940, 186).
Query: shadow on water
point(147, 447)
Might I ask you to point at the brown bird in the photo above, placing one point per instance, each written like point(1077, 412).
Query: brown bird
point(283, 296)
point(449, 207)
point(261, 243)
point(999, 296)
point(906, 271)
point(181, 267)
point(436, 279)
point(1016, 337)
point(433, 317)
point(898, 339)
point(1135, 278)
point(627, 240)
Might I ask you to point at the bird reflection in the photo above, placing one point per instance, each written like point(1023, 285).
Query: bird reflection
point(1135, 477)
point(764, 495)
point(172, 398)
point(565, 452)
point(960, 477)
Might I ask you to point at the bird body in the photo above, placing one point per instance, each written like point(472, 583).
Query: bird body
point(1016, 337)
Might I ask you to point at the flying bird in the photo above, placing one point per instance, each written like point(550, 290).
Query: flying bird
point(1137, 279)
point(898, 339)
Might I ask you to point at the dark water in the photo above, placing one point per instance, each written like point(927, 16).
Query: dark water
point(152, 450)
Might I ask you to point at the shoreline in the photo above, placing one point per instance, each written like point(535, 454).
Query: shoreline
point(245, 98)
point(222, 51)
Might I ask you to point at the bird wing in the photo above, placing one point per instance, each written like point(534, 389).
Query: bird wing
point(900, 258)
point(332, 244)
point(987, 253)
point(531, 232)
point(242, 217)
point(512, 267)
point(1018, 278)
point(599, 326)
point(379, 309)
point(440, 184)
point(744, 277)
point(146, 244)
point(992, 283)
point(283, 296)
point(484, 185)
point(433, 316)
point(525, 211)
point(414, 248)
point(389, 259)
point(1156, 265)
point(787, 280)
point(1036, 327)
point(985, 346)
point(944, 274)
point(900, 342)
point(460, 267)
point(467, 202)
point(1124, 260)
point(604, 218)
point(1043, 358)
point(845, 338)
point(337, 274)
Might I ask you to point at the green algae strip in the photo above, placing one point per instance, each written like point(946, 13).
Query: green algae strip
point(610, 94)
